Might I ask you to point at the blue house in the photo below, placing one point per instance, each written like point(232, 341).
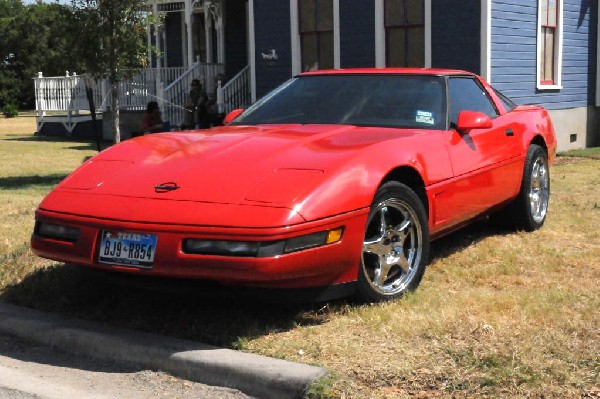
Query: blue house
point(535, 51)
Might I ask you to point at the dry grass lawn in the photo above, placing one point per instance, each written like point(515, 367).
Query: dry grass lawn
point(499, 314)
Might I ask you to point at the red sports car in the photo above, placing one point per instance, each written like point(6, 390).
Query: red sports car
point(336, 179)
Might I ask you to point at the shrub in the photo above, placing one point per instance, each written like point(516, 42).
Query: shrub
point(10, 110)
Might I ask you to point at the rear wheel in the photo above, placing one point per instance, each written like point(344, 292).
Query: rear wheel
point(531, 206)
point(396, 244)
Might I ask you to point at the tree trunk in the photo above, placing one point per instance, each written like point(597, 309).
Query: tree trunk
point(114, 86)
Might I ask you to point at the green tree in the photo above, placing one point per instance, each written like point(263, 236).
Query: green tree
point(38, 37)
point(113, 42)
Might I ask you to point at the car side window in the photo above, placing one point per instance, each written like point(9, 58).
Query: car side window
point(467, 95)
point(509, 104)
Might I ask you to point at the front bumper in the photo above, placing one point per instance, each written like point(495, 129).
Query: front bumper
point(329, 264)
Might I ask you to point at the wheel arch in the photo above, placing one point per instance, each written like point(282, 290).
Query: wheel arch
point(539, 140)
point(411, 178)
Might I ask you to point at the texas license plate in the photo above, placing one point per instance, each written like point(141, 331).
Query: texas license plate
point(129, 249)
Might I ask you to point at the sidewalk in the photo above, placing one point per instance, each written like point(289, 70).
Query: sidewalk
point(255, 375)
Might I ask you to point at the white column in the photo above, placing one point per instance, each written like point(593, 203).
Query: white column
point(598, 63)
point(427, 21)
point(486, 40)
point(379, 34)
point(157, 39)
point(336, 34)
point(189, 8)
point(220, 98)
point(295, 34)
point(252, 50)
point(149, 40)
point(220, 27)
point(163, 35)
point(208, 35)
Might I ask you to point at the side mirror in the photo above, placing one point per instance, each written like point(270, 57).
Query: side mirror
point(469, 120)
point(232, 115)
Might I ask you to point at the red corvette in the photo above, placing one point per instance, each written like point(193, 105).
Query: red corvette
point(336, 179)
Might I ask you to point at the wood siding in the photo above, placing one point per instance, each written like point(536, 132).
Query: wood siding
point(455, 35)
point(272, 31)
point(514, 53)
point(357, 34)
point(236, 55)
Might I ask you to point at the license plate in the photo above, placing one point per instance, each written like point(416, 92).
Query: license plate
point(129, 249)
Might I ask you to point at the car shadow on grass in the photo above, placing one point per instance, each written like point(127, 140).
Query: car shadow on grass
point(194, 310)
point(467, 236)
point(20, 182)
point(78, 143)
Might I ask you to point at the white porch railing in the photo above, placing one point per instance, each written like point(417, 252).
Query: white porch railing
point(66, 95)
point(236, 92)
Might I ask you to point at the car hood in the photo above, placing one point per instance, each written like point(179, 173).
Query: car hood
point(273, 164)
point(307, 169)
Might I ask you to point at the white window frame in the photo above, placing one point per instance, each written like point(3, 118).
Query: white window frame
point(380, 58)
point(486, 40)
point(558, 49)
point(295, 34)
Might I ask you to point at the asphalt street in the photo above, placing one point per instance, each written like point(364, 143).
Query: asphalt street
point(113, 354)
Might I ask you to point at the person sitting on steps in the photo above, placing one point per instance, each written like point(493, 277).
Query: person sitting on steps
point(151, 120)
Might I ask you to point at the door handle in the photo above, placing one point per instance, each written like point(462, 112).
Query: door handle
point(509, 132)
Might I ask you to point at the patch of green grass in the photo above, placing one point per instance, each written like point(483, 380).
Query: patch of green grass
point(593, 152)
point(323, 388)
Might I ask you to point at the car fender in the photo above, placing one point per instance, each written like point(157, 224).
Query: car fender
point(352, 184)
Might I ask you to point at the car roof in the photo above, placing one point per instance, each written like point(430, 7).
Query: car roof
point(387, 71)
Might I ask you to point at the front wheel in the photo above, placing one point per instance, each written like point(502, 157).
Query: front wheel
point(396, 244)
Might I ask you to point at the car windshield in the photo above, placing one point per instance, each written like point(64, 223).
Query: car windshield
point(403, 101)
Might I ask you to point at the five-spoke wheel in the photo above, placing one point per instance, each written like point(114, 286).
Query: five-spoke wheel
point(396, 244)
point(531, 205)
point(539, 189)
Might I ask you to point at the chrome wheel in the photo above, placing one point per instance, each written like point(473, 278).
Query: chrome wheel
point(393, 248)
point(530, 208)
point(539, 190)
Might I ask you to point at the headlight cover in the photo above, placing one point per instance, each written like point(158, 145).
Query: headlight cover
point(57, 231)
point(261, 249)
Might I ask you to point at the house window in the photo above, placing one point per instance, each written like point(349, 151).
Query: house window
point(316, 34)
point(405, 33)
point(549, 43)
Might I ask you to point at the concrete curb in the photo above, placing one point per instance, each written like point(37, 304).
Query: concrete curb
point(255, 375)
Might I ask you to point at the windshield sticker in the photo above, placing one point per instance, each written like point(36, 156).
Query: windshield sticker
point(425, 117)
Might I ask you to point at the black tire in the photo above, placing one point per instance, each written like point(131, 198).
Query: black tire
point(396, 244)
point(531, 206)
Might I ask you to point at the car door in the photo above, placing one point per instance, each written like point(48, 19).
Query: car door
point(485, 162)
